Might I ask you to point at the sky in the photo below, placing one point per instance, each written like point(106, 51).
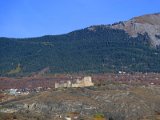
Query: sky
point(32, 18)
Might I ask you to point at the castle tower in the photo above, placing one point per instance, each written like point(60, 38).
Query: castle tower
point(56, 85)
point(88, 81)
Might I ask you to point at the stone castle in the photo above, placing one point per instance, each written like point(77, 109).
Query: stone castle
point(85, 82)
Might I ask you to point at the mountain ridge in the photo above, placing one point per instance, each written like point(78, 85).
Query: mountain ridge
point(101, 48)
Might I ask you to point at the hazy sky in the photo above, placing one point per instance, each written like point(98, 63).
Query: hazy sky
point(30, 18)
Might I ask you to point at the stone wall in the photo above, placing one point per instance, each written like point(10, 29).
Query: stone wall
point(85, 82)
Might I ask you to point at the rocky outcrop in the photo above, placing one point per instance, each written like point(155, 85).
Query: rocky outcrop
point(149, 24)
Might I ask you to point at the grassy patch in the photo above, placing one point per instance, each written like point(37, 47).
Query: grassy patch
point(16, 70)
point(47, 44)
point(99, 116)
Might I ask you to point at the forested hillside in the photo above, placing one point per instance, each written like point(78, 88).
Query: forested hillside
point(88, 50)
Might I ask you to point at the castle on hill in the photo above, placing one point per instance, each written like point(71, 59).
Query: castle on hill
point(85, 82)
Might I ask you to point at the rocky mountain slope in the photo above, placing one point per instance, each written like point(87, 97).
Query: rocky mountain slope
point(125, 46)
point(149, 24)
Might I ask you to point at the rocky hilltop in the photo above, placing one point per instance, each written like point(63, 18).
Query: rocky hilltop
point(149, 24)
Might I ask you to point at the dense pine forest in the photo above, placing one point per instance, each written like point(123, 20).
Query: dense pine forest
point(97, 50)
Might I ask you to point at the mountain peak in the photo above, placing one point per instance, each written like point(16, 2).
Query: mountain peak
point(149, 24)
point(153, 19)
